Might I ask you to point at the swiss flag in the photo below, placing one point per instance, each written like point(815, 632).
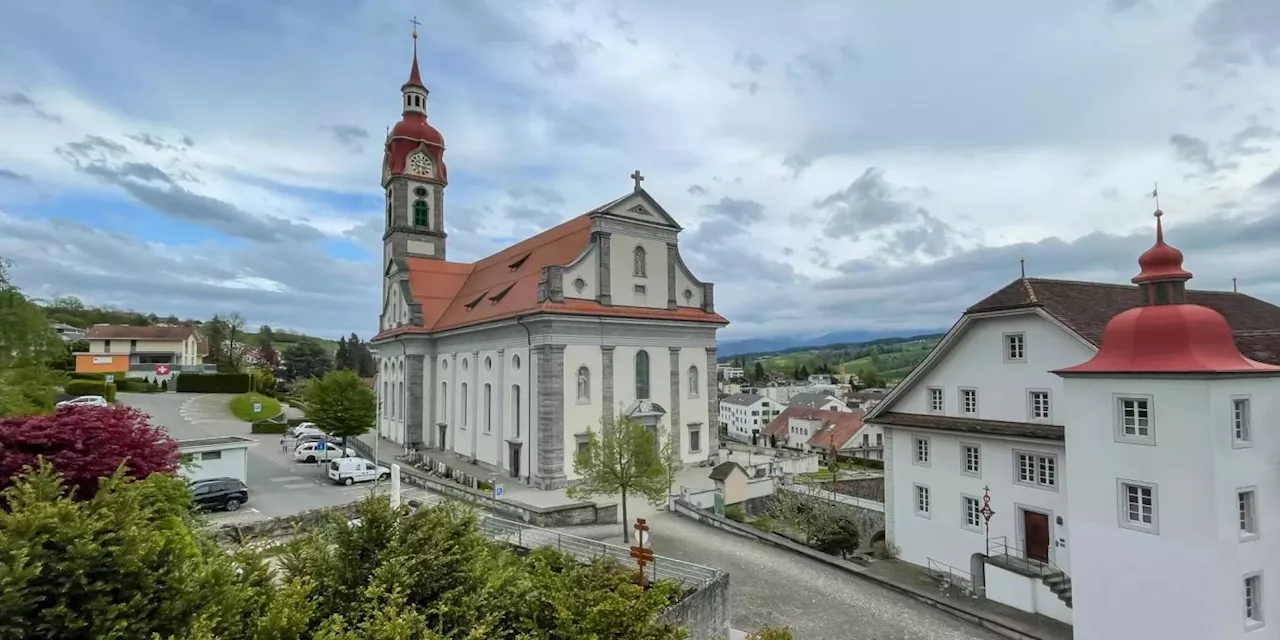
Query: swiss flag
point(162, 369)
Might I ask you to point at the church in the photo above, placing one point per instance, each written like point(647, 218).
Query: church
point(510, 360)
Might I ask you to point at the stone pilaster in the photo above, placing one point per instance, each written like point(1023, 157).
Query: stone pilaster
point(474, 399)
point(673, 260)
point(413, 373)
point(451, 405)
point(432, 416)
point(500, 363)
point(711, 430)
point(550, 402)
point(604, 272)
point(677, 427)
point(606, 386)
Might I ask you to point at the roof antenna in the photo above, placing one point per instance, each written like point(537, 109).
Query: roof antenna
point(1022, 264)
point(1234, 288)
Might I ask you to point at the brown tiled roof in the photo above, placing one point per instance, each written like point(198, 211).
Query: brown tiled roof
point(126, 332)
point(970, 425)
point(722, 470)
point(844, 425)
point(1087, 307)
point(505, 285)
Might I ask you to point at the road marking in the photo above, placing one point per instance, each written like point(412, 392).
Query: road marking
point(287, 479)
point(303, 485)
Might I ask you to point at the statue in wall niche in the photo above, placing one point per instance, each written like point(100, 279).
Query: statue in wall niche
point(640, 262)
point(693, 380)
point(584, 384)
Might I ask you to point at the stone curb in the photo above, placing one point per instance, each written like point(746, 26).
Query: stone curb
point(997, 626)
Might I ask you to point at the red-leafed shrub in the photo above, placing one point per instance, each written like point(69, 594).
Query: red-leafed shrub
point(85, 444)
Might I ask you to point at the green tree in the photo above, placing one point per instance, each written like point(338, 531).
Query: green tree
point(128, 563)
point(622, 458)
point(758, 374)
point(362, 357)
point(28, 346)
point(342, 405)
point(266, 337)
point(342, 357)
point(306, 359)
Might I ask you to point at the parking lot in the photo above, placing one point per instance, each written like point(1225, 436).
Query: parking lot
point(278, 485)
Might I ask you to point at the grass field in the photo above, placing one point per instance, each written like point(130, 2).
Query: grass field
point(242, 407)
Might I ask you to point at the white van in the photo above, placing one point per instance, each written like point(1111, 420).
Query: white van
point(351, 470)
point(322, 450)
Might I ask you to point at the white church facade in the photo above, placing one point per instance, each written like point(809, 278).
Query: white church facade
point(510, 360)
point(1098, 454)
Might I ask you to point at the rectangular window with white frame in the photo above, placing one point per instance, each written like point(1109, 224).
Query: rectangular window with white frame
point(1253, 600)
point(920, 454)
point(1015, 347)
point(1038, 405)
point(1241, 424)
point(1139, 506)
point(923, 503)
point(1247, 507)
point(971, 459)
point(1135, 422)
point(936, 402)
point(972, 513)
point(969, 401)
point(1032, 469)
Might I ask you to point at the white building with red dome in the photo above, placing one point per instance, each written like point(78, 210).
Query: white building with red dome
point(509, 361)
point(1089, 452)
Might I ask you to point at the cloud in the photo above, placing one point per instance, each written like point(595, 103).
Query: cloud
point(8, 174)
point(758, 142)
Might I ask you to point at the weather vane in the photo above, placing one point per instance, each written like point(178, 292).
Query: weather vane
point(1155, 193)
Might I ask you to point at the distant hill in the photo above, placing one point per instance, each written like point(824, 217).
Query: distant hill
point(784, 343)
point(891, 359)
point(72, 311)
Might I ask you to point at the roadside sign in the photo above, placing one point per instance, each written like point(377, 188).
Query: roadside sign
point(162, 369)
point(320, 445)
point(109, 378)
point(257, 407)
point(641, 537)
point(498, 491)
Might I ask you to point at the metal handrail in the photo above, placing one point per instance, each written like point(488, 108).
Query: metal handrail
point(953, 575)
point(1013, 552)
point(689, 575)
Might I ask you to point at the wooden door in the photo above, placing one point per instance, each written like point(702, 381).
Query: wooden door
point(1035, 535)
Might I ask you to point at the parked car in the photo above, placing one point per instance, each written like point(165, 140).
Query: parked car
point(301, 426)
point(307, 431)
point(219, 493)
point(351, 470)
point(313, 451)
point(316, 437)
point(84, 401)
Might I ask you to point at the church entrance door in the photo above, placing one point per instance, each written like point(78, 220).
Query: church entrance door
point(514, 463)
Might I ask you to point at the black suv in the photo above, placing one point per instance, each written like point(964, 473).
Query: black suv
point(219, 493)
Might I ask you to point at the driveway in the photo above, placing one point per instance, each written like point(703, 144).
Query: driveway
point(278, 486)
point(770, 586)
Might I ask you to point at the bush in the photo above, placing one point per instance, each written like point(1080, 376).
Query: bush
point(164, 385)
point(735, 513)
point(213, 382)
point(91, 388)
point(136, 385)
point(763, 523)
point(771, 633)
point(268, 426)
point(242, 407)
point(116, 375)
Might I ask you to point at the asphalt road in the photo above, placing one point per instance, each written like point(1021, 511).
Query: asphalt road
point(773, 587)
point(278, 486)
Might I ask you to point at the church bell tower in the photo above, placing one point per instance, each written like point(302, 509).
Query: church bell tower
point(414, 177)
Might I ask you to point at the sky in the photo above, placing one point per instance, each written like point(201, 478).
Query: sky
point(835, 165)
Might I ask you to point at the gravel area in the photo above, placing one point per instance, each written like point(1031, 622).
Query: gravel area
point(771, 586)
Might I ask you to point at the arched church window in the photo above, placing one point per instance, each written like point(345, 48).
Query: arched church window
point(642, 375)
point(388, 209)
point(639, 270)
point(420, 211)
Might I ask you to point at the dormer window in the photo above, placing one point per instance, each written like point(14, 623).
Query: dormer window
point(501, 294)
point(516, 265)
point(472, 305)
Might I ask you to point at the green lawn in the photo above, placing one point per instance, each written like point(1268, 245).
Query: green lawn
point(242, 407)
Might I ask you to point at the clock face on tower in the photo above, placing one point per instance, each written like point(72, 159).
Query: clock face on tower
point(419, 164)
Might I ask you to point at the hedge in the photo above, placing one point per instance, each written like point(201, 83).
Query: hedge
point(268, 426)
point(213, 382)
point(136, 385)
point(91, 388)
point(119, 375)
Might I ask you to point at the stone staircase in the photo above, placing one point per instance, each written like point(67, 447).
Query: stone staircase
point(1060, 584)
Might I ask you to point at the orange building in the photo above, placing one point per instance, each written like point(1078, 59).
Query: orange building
point(154, 352)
